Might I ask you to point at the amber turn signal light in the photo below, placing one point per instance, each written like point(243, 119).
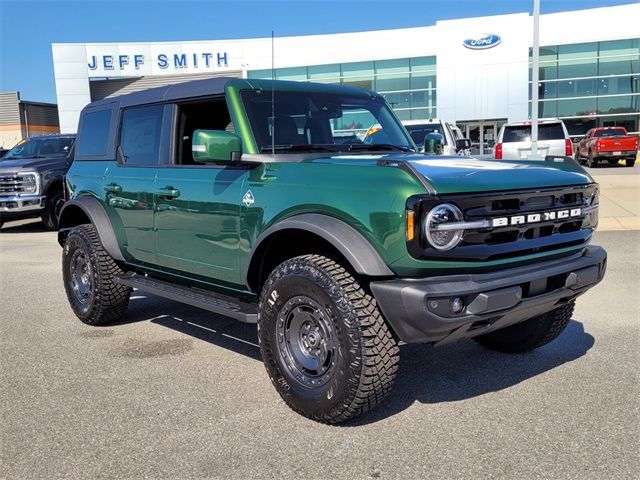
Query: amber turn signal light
point(410, 214)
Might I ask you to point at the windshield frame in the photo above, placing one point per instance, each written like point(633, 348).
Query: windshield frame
point(384, 112)
point(42, 139)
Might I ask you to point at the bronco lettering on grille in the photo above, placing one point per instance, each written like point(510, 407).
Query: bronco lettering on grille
point(536, 217)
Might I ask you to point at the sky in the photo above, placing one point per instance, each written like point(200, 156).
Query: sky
point(29, 27)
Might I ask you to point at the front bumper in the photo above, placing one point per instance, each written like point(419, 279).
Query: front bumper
point(421, 311)
point(21, 203)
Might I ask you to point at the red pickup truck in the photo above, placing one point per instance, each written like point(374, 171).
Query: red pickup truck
point(607, 143)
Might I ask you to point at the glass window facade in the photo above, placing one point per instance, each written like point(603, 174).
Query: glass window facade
point(408, 84)
point(591, 84)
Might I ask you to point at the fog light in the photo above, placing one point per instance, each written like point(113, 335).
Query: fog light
point(457, 305)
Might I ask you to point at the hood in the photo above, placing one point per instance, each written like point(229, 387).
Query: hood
point(21, 164)
point(464, 174)
point(454, 174)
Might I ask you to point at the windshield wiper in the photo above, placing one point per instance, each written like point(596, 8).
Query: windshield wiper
point(296, 148)
point(23, 158)
point(379, 147)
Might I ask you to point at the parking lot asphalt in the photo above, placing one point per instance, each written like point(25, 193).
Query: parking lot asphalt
point(175, 392)
point(619, 196)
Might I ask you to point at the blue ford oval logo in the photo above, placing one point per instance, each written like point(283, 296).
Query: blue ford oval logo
point(488, 40)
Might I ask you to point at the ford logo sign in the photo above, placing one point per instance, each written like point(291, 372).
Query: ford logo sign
point(488, 40)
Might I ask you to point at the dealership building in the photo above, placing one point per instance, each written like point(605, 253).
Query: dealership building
point(475, 72)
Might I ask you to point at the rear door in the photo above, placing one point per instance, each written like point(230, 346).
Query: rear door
point(129, 183)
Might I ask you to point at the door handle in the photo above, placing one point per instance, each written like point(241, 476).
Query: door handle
point(113, 188)
point(169, 193)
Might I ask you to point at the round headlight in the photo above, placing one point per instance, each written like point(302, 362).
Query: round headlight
point(438, 235)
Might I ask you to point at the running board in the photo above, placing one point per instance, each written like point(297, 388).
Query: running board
point(211, 301)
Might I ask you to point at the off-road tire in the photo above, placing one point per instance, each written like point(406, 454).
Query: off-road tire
point(366, 356)
point(530, 334)
point(105, 301)
point(630, 162)
point(53, 206)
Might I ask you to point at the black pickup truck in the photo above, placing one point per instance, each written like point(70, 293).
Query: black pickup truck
point(31, 178)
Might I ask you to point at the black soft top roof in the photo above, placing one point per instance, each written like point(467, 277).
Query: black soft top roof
point(177, 91)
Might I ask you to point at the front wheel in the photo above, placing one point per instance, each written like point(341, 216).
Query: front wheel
point(324, 342)
point(530, 334)
point(53, 206)
point(87, 272)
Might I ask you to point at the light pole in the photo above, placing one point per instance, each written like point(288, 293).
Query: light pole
point(535, 61)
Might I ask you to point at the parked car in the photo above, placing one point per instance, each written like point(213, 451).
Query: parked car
point(31, 178)
point(418, 129)
point(198, 193)
point(514, 140)
point(607, 143)
point(453, 141)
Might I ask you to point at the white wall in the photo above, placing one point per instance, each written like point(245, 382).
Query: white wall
point(471, 84)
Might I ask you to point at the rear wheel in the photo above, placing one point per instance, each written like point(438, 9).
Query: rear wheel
point(592, 162)
point(326, 347)
point(630, 162)
point(88, 271)
point(530, 334)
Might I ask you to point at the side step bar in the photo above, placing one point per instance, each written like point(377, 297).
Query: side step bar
point(211, 301)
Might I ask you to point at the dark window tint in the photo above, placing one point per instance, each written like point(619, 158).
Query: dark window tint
point(94, 136)
point(140, 135)
point(522, 133)
point(613, 132)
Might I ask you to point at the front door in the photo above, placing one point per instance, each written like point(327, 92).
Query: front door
point(198, 220)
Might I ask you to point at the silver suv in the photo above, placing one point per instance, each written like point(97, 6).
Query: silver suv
point(514, 140)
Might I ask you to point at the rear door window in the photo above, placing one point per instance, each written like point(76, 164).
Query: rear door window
point(522, 133)
point(140, 135)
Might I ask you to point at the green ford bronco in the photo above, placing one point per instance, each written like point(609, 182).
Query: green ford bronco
point(264, 201)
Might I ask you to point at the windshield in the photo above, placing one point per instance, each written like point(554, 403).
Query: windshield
point(611, 132)
point(418, 132)
point(522, 133)
point(317, 121)
point(41, 148)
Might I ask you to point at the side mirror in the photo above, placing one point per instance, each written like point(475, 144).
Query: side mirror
point(215, 146)
point(433, 143)
point(463, 144)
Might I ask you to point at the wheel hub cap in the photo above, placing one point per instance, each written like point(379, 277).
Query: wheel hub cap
point(80, 274)
point(307, 342)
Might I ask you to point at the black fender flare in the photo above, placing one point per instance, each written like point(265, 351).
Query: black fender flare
point(95, 212)
point(347, 240)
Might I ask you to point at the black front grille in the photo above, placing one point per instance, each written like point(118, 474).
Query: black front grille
point(512, 240)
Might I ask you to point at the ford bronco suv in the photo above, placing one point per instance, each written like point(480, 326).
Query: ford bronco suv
point(31, 178)
point(232, 195)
